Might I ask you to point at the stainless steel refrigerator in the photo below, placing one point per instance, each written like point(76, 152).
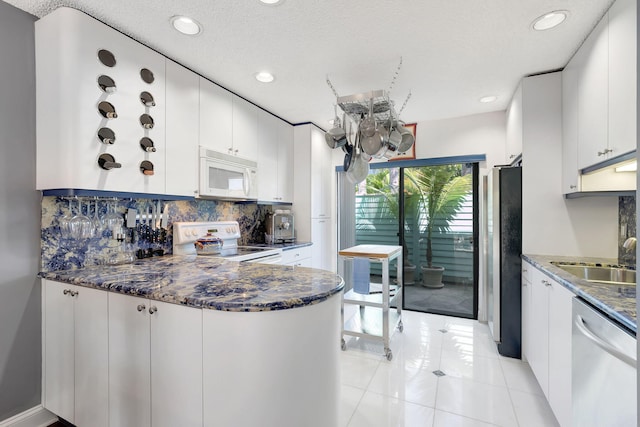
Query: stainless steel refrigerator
point(504, 235)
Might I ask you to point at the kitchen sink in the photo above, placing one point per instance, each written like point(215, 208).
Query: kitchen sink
point(607, 275)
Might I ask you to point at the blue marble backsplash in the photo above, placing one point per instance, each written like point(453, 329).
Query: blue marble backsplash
point(60, 251)
point(627, 228)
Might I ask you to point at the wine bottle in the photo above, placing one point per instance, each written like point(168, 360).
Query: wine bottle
point(147, 75)
point(146, 167)
point(147, 145)
point(107, 84)
point(107, 110)
point(106, 136)
point(146, 121)
point(108, 162)
point(147, 99)
point(106, 58)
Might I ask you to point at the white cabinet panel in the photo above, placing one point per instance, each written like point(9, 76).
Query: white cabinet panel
point(299, 256)
point(58, 350)
point(67, 102)
point(549, 344)
point(527, 269)
point(285, 162)
point(75, 353)
point(216, 117)
point(514, 126)
point(245, 128)
point(268, 159)
point(570, 175)
point(560, 329)
point(539, 349)
point(129, 361)
point(176, 365)
point(321, 172)
point(622, 76)
point(321, 236)
point(182, 131)
point(155, 363)
point(593, 105)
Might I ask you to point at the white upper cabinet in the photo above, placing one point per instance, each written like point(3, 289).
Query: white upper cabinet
point(321, 171)
point(71, 48)
point(275, 153)
point(514, 126)
point(285, 162)
point(216, 117)
point(182, 133)
point(268, 157)
point(245, 129)
point(571, 182)
point(622, 76)
point(607, 87)
point(593, 98)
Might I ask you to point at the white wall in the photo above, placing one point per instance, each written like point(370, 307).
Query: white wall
point(20, 350)
point(476, 134)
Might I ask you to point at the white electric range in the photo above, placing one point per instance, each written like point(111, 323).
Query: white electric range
point(186, 233)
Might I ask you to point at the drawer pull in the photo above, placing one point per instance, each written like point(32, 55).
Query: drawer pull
point(153, 309)
point(141, 307)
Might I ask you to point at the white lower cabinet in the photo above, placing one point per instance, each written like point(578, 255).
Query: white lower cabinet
point(549, 342)
point(322, 252)
point(527, 269)
point(75, 348)
point(299, 257)
point(155, 363)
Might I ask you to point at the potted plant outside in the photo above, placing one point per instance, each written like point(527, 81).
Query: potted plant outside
point(442, 191)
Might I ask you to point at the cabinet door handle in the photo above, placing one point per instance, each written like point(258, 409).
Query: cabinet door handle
point(512, 156)
point(525, 270)
point(141, 307)
point(605, 151)
point(153, 309)
point(66, 292)
point(546, 283)
point(573, 187)
point(74, 293)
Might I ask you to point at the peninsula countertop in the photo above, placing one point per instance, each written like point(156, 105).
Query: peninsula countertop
point(209, 282)
point(618, 302)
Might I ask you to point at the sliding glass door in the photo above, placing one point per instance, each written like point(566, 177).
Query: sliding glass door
point(432, 212)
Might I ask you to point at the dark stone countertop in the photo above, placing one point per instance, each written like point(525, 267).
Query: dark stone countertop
point(618, 302)
point(209, 282)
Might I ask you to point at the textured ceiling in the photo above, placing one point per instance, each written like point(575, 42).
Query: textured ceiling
point(453, 51)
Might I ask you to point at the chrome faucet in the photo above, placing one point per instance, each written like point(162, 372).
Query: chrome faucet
point(630, 244)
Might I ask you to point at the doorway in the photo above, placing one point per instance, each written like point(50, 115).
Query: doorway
point(432, 211)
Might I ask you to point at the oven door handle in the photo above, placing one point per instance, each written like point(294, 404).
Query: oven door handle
point(609, 348)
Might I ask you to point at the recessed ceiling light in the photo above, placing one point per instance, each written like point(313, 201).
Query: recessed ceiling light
point(550, 20)
point(487, 99)
point(186, 25)
point(265, 77)
point(272, 2)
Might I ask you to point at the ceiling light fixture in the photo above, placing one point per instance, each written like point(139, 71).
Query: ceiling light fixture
point(550, 20)
point(265, 77)
point(488, 99)
point(272, 2)
point(186, 25)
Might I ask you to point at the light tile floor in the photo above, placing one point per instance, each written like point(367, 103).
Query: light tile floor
point(480, 387)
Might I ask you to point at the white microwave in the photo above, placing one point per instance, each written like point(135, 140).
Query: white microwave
point(223, 176)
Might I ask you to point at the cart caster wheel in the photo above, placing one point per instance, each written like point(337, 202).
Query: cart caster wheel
point(400, 326)
point(388, 354)
point(343, 344)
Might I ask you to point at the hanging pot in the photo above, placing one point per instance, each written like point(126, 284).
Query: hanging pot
point(406, 138)
point(348, 157)
point(336, 137)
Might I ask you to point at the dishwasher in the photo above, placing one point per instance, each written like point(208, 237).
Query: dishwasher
point(603, 376)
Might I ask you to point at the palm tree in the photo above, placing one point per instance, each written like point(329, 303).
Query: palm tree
point(442, 190)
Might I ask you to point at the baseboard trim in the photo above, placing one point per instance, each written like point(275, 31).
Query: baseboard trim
point(34, 417)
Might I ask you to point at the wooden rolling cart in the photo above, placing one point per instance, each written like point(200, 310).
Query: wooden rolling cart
point(383, 326)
